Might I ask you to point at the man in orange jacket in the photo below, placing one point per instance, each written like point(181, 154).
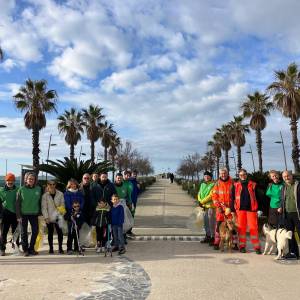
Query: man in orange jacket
point(244, 204)
point(221, 197)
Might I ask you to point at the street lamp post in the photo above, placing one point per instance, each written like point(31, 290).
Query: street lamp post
point(251, 152)
point(81, 153)
point(283, 149)
point(48, 152)
point(4, 126)
point(233, 156)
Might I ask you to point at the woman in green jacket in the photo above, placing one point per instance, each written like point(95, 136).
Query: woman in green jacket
point(28, 207)
point(274, 192)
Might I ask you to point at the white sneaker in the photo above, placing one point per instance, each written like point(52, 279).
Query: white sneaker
point(98, 250)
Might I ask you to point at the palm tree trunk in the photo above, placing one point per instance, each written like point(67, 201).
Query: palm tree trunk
point(218, 166)
point(92, 151)
point(259, 149)
point(35, 150)
point(72, 155)
point(295, 144)
point(227, 160)
point(113, 172)
point(239, 157)
point(105, 153)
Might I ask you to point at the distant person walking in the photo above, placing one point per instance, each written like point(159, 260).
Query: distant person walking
point(171, 176)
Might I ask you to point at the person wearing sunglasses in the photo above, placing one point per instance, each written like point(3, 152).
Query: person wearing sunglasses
point(53, 208)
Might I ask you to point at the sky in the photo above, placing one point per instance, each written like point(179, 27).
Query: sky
point(166, 73)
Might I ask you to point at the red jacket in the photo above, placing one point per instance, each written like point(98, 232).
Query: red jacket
point(237, 195)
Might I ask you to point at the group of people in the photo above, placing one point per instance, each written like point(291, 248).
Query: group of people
point(239, 201)
point(95, 201)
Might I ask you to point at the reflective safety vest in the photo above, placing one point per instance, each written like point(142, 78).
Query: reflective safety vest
point(221, 193)
point(238, 191)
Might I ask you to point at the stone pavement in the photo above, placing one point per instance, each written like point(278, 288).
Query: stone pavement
point(153, 269)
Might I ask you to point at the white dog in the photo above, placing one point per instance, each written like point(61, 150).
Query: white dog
point(276, 237)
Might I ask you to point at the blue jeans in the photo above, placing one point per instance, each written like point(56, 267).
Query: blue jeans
point(118, 236)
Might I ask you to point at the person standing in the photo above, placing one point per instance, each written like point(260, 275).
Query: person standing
point(171, 176)
point(117, 221)
point(28, 207)
point(245, 205)
point(135, 188)
point(221, 198)
point(101, 220)
point(53, 208)
point(124, 189)
point(89, 201)
point(290, 210)
point(8, 196)
point(205, 201)
point(105, 189)
point(274, 193)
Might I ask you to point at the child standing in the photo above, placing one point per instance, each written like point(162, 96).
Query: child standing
point(117, 221)
point(101, 220)
point(75, 221)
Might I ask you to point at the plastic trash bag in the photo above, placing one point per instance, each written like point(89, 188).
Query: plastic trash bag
point(40, 238)
point(128, 218)
point(85, 235)
point(196, 220)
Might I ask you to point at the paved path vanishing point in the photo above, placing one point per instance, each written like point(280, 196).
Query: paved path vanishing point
point(153, 269)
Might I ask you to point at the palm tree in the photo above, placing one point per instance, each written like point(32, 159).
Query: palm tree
point(106, 134)
point(71, 123)
point(237, 136)
point(92, 117)
point(224, 138)
point(35, 100)
point(113, 150)
point(287, 99)
point(257, 107)
point(216, 148)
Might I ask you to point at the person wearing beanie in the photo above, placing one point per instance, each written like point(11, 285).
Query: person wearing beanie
point(205, 201)
point(8, 196)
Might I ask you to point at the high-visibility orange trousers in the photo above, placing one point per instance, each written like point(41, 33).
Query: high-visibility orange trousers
point(244, 219)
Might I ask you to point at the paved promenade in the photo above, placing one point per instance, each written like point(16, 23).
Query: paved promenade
point(153, 269)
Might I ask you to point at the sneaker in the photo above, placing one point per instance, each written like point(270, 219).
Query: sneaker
point(205, 240)
point(98, 250)
point(69, 252)
point(2, 253)
point(61, 251)
point(216, 247)
point(122, 251)
point(51, 251)
point(243, 250)
point(257, 251)
point(290, 256)
point(236, 248)
point(32, 252)
point(26, 253)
